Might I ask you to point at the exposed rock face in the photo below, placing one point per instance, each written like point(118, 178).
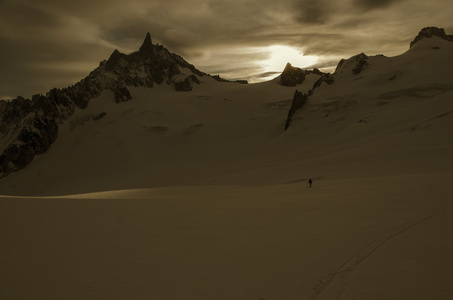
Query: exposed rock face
point(358, 63)
point(147, 45)
point(299, 100)
point(187, 84)
point(122, 94)
point(361, 63)
point(151, 64)
point(327, 78)
point(29, 127)
point(292, 76)
point(220, 79)
point(429, 32)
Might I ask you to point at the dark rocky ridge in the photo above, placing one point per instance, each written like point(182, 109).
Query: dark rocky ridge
point(29, 127)
point(429, 32)
point(292, 76)
point(358, 63)
point(299, 99)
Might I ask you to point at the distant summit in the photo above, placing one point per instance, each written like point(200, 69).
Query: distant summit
point(152, 64)
point(429, 32)
point(292, 76)
point(147, 45)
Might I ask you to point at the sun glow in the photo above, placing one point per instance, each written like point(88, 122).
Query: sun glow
point(255, 64)
point(280, 55)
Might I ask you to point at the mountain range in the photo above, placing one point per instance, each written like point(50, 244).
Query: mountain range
point(150, 179)
point(29, 127)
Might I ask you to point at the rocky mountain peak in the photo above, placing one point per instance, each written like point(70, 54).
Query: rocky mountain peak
point(292, 76)
point(429, 32)
point(147, 45)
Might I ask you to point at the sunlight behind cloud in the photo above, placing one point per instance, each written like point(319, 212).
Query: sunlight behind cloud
point(281, 55)
point(264, 63)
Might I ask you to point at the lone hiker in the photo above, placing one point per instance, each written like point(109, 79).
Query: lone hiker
point(310, 182)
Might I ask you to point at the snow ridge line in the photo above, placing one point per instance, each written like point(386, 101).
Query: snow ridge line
point(366, 252)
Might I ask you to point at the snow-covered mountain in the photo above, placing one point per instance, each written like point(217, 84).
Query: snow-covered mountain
point(389, 73)
point(102, 133)
point(203, 194)
point(29, 127)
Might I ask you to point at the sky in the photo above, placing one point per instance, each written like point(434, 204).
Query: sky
point(55, 43)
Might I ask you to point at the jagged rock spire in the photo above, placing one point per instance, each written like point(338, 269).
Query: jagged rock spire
point(147, 45)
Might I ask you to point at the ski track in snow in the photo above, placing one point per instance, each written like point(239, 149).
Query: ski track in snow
point(349, 265)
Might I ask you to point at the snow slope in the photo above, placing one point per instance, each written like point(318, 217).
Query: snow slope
point(203, 195)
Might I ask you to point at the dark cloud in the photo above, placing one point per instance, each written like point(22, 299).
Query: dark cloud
point(314, 11)
point(267, 74)
point(17, 15)
point(54, 43)
point(373, 4)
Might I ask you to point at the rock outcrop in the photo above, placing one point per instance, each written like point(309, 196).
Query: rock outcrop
point(292, 76)
point(187, 84)
point(357, 63)
point(29, 127)
point(429, 32)
point(299, 99)
point(327, 78)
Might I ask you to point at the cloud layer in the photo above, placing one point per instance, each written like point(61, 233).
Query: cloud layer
point(54, 43)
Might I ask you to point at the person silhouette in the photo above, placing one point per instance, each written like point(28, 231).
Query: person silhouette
point(310, 182)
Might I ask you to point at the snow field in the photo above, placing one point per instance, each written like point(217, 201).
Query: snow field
point(202, 195)
point(284, 241)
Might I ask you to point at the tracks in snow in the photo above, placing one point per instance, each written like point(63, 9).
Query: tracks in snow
point(350, 264)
